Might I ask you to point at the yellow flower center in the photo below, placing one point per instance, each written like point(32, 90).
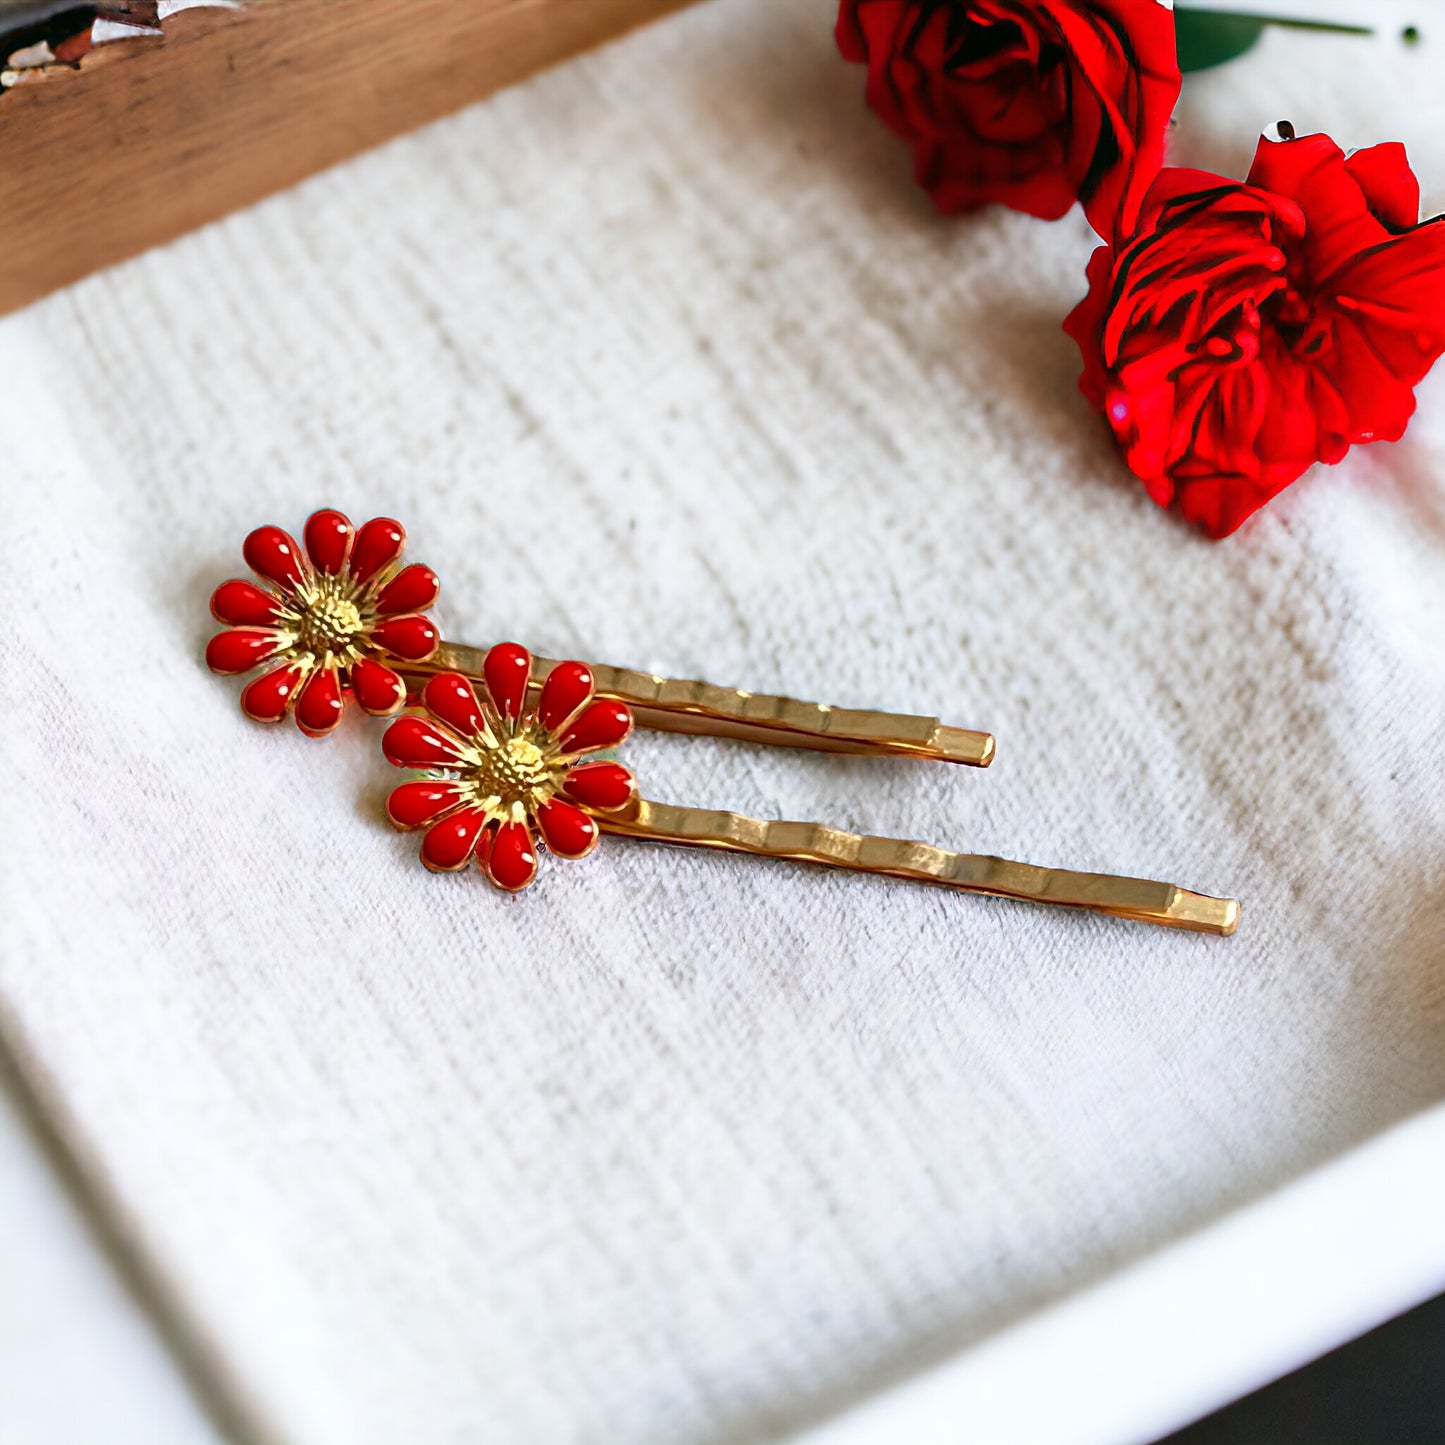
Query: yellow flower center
point(330, 622)
point(515, 771)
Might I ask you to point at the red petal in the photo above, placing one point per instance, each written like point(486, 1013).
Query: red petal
point(273, 554)
point(566, 829)
point(507, 668)
point(605, 786)
point(483, 851)
point(412, 638)
point(1219, 506)
point(377, 688)
point(267, 699)
point(378, 544)
point(512, 860)
point(328, 540)
point(318, 710)
point(603, 725)
point(243, 604)
point(1394, 300)
point(413, 589)
point(1390, 186)
point(567, 690)
point(413, 742)
point(415, 805)
point(240, 649)
point(449, 844)
point(1085, 323)
point(849, 33)
point(449, 697)
point(1312, 171)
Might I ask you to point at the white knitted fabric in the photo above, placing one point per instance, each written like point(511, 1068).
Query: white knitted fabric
point(663, 362)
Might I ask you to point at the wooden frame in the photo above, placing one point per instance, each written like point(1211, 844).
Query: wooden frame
point(151, 137)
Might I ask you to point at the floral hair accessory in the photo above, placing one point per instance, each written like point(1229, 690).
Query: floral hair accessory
point(500, 774)
point(332, 623)
point(1034, 103)
point(346, 618)
point(505, 740)
point(1244, 331)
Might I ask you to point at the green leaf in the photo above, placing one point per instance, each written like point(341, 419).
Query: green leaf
point(1209, 37)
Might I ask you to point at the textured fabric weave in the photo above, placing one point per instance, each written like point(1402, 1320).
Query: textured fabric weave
point(664, 363)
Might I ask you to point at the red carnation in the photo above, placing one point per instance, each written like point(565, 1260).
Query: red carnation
point(1035, 103)
point(1245, 331)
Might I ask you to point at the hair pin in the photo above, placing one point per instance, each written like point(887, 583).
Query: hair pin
point(346, 616)
point(505, 742)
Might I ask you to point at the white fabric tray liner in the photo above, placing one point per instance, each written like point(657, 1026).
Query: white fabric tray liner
point(663, 362)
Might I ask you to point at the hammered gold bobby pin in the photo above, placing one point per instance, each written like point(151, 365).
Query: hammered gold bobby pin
point(504, 741)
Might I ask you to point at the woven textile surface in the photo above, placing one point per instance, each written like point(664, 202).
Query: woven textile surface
point(664, 363)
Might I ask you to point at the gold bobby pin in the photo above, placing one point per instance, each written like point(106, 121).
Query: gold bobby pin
point(702, 708)
point(346, 618)
point(1139, 899)
point(504, 765)
point(513, 765)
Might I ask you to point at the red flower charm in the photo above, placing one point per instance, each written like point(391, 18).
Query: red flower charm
point(1034, 103)
point(1245, 331)
point(329, 623)
point(498, 771)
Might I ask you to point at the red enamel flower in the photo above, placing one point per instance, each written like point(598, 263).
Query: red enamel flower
point(331, 622)
point(1244, 331)
point(499, 774)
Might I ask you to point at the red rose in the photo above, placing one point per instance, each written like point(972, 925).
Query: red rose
point(1245, 331)
point(1035, 103)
